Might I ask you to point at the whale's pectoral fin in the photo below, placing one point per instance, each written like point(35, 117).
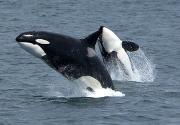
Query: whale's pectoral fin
point(130, 46)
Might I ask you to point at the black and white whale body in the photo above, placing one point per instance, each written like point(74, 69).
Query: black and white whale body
point(112, 47)
point(73, 58)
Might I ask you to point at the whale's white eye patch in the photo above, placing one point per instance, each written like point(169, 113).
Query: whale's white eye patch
point(28, 35)
point(42, 41)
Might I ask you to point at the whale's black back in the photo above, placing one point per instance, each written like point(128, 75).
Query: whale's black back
point(72, 58)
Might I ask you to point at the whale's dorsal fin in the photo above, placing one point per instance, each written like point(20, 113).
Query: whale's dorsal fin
point(92, 38)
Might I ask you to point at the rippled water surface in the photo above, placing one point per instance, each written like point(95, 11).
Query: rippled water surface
point(26, 82)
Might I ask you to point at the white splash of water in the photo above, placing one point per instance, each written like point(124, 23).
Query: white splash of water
point(143, 68)
point(78, 89)
point(102, 92)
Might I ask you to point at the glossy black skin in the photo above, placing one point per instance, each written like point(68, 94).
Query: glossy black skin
point(69, 56)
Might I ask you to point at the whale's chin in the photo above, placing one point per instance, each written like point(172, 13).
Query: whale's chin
point(34, 49)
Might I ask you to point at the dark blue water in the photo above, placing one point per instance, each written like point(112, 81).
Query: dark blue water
point(25, 80)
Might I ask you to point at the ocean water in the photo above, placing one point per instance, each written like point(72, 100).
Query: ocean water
point(31, 92)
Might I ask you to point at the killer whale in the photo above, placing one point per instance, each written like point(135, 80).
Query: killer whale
point(113, 49)
point(73, 58)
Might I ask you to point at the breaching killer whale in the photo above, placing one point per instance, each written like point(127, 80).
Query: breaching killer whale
point(73, 58)
point(111, 47)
